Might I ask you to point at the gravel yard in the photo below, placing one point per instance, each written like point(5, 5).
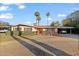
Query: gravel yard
point(69, 45)
point(41, 45)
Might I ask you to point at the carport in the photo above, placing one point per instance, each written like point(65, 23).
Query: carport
point(65, 30)
point(53, 30)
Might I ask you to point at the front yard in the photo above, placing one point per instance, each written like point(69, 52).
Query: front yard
point(69, 45)
point(10, 47)
point(5, 37)
point(9, 44)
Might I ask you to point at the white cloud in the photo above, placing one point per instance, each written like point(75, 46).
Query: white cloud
point(6, 16)
point(49, 19)
point(61, 15)
point(28, 23)
point(20, 6)
point(4, 8)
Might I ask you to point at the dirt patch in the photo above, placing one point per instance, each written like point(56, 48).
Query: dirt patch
point(69, 45)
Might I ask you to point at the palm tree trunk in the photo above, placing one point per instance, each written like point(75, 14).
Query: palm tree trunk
point(47, 21)
point(38, 23)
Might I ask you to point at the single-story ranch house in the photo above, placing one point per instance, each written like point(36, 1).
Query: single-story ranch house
point(41, 29)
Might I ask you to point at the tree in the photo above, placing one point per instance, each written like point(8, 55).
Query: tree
point(47, 14)
point(77, 26)
point(38, 18)
point(67, 22)
point(55, 23)
point(11, 32)
point(52, 24)
point(72, 19)
point(4, 23)
point(19, 31)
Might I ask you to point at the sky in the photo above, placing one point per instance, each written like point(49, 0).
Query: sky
point(23, 13)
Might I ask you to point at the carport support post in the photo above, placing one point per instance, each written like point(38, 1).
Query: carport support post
point(70, 31)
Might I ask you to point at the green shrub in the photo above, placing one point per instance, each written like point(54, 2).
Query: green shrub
point(28, 33)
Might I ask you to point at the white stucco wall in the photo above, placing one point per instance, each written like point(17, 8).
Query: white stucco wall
point(22, 28)
point(44, 29)
point(33, 30)
point(13, 28)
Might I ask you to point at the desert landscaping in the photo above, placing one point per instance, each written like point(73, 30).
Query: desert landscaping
point(43, 45)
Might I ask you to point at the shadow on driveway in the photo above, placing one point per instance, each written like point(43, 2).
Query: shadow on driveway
point(49, 48)
point(33, 49)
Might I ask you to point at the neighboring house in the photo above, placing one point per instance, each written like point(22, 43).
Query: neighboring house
point(23, 28)
point(4, 29)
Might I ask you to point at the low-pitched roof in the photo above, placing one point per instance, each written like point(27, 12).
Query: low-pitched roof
point(44, 26)
point(23, 25)
point(51, 27)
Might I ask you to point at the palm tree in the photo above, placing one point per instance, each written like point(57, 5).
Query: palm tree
point(47, 14)
point(38, 18)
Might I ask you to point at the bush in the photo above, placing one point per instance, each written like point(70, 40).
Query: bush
point(28, 33)
point(77, 26)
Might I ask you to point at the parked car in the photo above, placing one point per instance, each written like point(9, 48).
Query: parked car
point(63, 32)
point(3, 31)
